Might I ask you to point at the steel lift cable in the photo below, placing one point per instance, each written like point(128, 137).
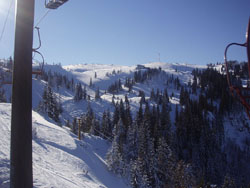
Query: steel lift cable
point(4, 25)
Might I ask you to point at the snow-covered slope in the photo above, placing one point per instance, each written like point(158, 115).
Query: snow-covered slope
point(59, 158)
point(103, 76)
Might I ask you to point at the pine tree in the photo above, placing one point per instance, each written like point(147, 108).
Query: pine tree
point(194, 84)
point(115, 156)
point(84, 93)
point(50, 105)
point(152, 94)
point(134, 175)
point(87, 120)
point(116, 115)
point(74, 126)
point(44, 104)
point(165, 123)
point(132, 143)
point(183, 176)
point(2, 96)
point(165, 96)
point(97, 94)
point(145, 152)
point(90, 82)
point(72, 84)
point(110, 126)
point(128, 115)
point(78, 92)
point(104, 125)
point(139, 116)
point(164, 164)
point(95, 127)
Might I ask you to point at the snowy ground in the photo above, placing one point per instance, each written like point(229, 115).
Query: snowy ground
point(59, 158)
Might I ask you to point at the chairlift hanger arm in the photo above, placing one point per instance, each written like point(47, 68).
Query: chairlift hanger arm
point(225, 58)
point(231, 44)
point(241, 92)
point(36, 51)
point(39, 37)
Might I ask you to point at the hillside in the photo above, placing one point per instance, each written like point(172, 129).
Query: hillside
point(59, 158)
point(176, 112)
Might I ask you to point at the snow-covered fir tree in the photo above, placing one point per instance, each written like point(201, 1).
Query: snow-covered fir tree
point(50, 105)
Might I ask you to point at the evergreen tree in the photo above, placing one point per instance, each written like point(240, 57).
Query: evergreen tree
point(50, 105)
point(132, 143)
point(87, 119)
point(116, 115)
point(115, 156)
point(128, 119)
point(109, 125)
point(78, 92)
point(152, 94)
point(2, 96)
point(74, 126)
point(84, 93)
point(90, 82)
point(228, 183)
point(165, 96)
point(183, 176)
point(97, 94)
point(165, 123)
point(106, 126)
point(95, 127)
point(164, 165)
point(194, 84)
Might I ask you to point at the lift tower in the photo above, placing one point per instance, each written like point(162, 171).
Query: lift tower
point(21, 114)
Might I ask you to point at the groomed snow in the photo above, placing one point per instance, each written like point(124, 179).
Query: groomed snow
point(59, 158)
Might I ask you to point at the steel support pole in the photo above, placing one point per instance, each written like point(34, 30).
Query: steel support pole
point(21, 115)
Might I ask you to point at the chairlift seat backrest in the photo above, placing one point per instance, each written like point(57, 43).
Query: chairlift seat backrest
point(54, 4)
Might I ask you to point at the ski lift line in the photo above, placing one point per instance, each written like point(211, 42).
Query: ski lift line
point(41, 19)
point(4, 25)
point(155, 168)
point(102, 135)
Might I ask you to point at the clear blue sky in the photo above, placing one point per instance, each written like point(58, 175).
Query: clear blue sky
point(130, 32)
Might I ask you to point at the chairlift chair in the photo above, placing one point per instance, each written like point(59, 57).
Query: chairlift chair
point(240, 91)
point(54, 4)
point(38, 71)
